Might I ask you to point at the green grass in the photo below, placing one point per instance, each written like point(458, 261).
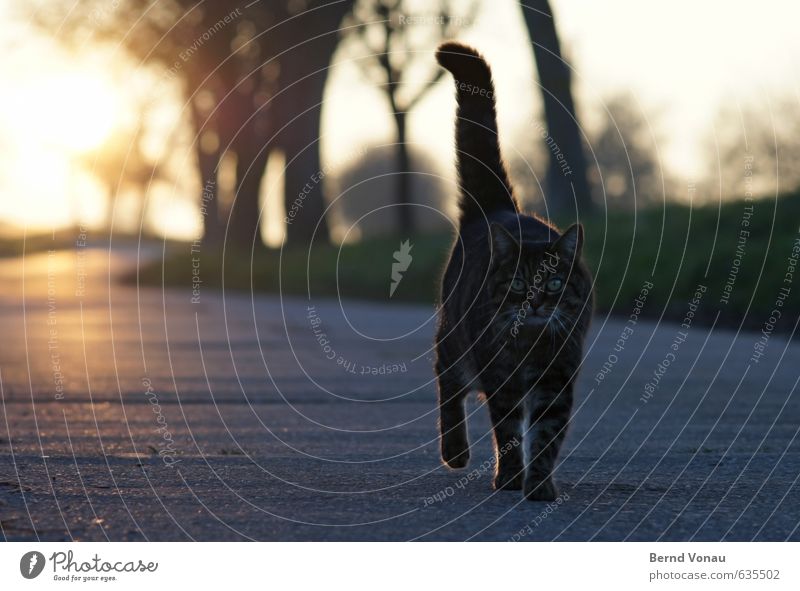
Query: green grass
point(355, 271)
point(675, 247)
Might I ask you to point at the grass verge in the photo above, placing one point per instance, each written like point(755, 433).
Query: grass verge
point(739, 251)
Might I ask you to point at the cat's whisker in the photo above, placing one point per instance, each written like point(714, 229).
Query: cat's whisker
point(559, 327)
point(562, 325)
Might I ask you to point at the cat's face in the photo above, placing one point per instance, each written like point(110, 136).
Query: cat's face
point(537, 287)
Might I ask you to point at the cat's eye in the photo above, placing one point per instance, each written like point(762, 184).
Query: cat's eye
point(517, 285)
point(554, 284)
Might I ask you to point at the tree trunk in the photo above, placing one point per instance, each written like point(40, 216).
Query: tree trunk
point(566, 182)
point(304, 201)
point(310, 40)
point(405, 215)
point(246, 216)
point(244, 228)
point(208, 164)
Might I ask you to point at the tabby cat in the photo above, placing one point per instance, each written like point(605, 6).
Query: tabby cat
point(515, 305)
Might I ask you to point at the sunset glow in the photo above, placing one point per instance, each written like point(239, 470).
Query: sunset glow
point(74, 111)
point(59, 109)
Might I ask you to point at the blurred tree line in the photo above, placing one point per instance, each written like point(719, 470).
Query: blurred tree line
point(755, 149)
point(252, 77)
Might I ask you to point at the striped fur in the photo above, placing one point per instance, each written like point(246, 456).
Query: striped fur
point(507, 328)
point(485, 187)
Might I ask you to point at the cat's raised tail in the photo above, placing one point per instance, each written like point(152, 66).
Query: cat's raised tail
point(485, 187)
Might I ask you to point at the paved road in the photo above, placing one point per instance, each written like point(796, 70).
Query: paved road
point(138, 415)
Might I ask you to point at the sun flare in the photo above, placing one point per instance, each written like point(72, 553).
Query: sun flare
point(72, 111)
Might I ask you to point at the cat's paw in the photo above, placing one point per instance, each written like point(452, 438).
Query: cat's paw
point(508, 480)
point(455, 456)
point(541, 490)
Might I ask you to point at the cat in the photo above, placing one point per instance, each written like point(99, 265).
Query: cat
point(515, 304)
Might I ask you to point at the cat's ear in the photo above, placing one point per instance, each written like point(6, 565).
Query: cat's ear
point(504, 245)
point(570, 244)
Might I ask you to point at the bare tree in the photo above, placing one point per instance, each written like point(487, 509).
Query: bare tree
point(399, 43)
point(563, 129)
point(755, 148)
point(628, 164)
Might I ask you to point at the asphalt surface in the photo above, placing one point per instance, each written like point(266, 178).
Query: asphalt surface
point(136, 414)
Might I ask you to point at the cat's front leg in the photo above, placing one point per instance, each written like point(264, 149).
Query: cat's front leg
point(506, 411)
point(452, 418)
point(549, 413)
